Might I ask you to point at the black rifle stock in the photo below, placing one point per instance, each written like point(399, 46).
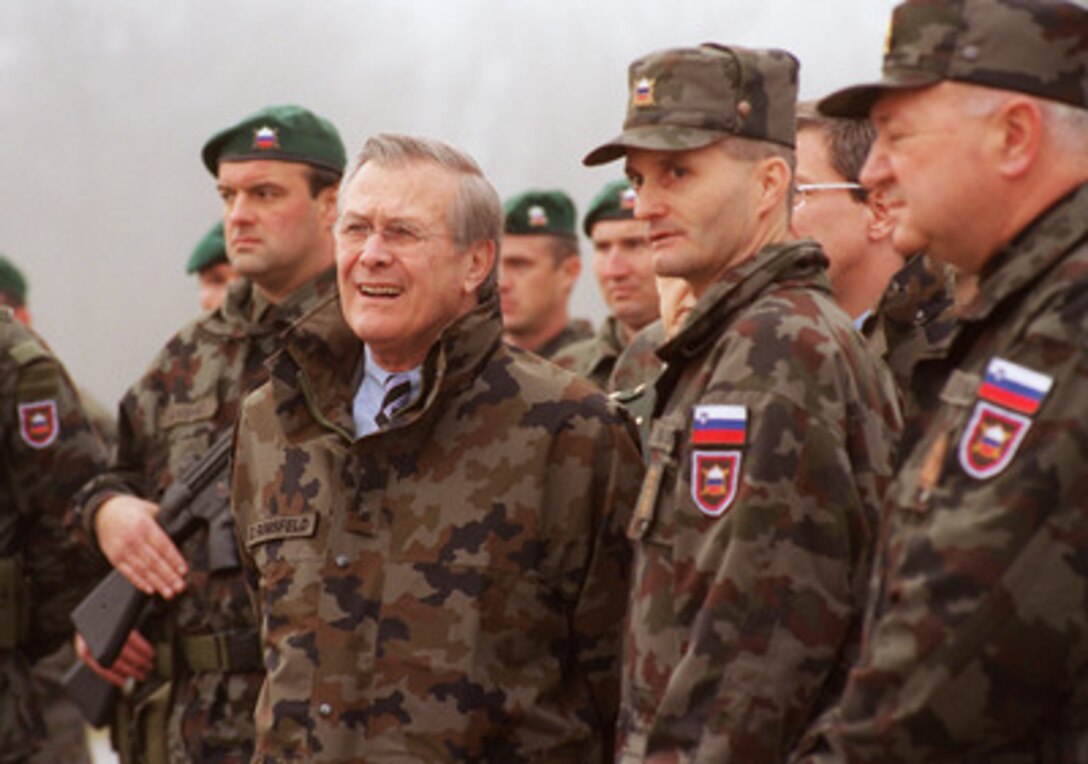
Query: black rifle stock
point(91, 694)
point(108, 614)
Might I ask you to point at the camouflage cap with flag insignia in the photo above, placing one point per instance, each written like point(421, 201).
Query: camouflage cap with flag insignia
point(687, 98)
point(211, 249)
point(540, 212)
point(282, 133)
point(616, 201)
point(1038, 47)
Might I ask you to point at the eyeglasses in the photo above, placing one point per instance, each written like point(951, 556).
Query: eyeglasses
point(802, 190)
point(397, 237)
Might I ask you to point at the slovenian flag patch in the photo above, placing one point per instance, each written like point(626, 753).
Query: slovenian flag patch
point(719, 425)
point(1014, 387)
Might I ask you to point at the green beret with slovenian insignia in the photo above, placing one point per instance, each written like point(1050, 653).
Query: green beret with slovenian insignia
point(281, 133)
point(541, 212)
point(616, 201)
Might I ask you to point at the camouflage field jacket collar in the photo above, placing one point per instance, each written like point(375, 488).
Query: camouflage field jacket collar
point(243, 304)
point(795, 262)
point(314, 378)
point(1035, 251)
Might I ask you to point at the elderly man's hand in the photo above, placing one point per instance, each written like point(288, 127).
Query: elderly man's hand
point(138, 546)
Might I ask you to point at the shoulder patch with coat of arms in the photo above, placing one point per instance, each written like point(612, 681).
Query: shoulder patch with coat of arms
point(1008, 397)
point(38, 424)
point(715, 474)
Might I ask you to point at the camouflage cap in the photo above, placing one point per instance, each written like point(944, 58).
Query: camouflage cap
point(210, 250)
point(12, 283)
point(616, 201)
point(540, 212)
point(282, 133)
point(687, 98)
point(1039, 47)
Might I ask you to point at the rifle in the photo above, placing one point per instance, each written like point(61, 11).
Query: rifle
point(111, 611)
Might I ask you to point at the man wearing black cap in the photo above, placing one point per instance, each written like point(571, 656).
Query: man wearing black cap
point(976, 634)
point(196, 657)
point(773, 426)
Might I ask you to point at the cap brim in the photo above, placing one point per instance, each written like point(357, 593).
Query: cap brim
point(655, 138)
point(856, 100)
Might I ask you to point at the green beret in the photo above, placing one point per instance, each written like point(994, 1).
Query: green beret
point(1039, 47)
point(210, 250)
point(688, 98)
point(616, 201)
point(541, 212)
point(282, 133)
point(12, 282)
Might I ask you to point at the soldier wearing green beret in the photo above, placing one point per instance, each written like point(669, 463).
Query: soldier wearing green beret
point(625, 274)
point(195, 660)
point(977, 623)
point(538, 267)
point(773, 429)
point(213, 270)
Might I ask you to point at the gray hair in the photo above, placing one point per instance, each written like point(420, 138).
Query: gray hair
point(476, 214)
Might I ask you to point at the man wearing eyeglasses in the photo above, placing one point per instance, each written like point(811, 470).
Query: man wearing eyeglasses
point(901, 301)
point(432, 521)
point(773, 427)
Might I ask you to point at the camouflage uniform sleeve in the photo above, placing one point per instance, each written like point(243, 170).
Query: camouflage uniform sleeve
point(597, 582)
point(48, 462)
point(979, 626)
point(773, 589)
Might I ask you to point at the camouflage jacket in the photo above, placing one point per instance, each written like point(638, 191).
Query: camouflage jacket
point(576, 330)
point(188, 397)
point(977, 632)
point(914, 317)
point(770, 451)
point(444, 590)
point(47, 449)
point(594, 358)
point(633, 377)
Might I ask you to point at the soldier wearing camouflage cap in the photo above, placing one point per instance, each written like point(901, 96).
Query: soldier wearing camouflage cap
point(195, 660)
point(538, 267)
point(977, 627)
point(625, 276)
point(432, 521)
point(773, 427)
point(213, 270)
point(48, 447)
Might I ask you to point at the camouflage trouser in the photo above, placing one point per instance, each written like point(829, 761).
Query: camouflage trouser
point(66, 739)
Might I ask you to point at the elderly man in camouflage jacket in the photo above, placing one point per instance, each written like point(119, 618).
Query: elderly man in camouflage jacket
point(277, 172)
point(432, 520)
point(48, 447)
point(976, 635)
point(773, 433)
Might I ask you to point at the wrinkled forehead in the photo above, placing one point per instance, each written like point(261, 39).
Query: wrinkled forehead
point(415, 190)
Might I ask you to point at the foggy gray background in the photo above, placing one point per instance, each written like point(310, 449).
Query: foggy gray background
point(106, 105)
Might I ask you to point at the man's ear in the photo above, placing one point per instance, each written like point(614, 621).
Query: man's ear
point(774, 178)
point(1018, 126)
point(481, 262)
point(326, 199)
point(570, 268)
point(880, 223)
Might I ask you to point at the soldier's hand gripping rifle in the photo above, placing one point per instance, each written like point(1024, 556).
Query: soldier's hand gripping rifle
point(111, 611)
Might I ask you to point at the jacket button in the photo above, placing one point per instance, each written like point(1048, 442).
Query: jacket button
point(341, 560)
point(325, 709)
